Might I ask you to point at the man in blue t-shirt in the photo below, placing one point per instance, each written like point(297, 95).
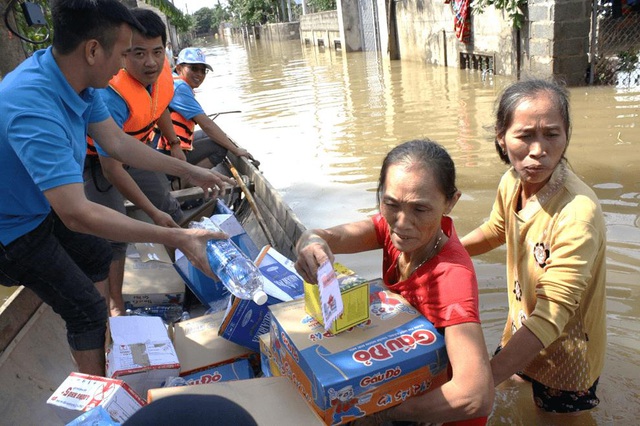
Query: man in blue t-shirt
point(47, 225)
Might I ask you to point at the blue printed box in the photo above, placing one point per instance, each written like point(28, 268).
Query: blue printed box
point(205, 288)
point(238, 370)
point(244, 320)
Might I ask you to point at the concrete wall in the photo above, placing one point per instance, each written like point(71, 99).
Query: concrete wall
point(426, 33)
point(321, 29)
point(350, 29)
point(281, 31)
point(558, 43)
point(553, 42)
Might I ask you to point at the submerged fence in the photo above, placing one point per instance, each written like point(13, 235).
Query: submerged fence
point(615, 43)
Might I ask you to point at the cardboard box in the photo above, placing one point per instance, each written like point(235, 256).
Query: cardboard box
point(140, 352)
point(205, 288)
point(269, 400)
point(395, 355)
point(355, 300)
point(81, 392)
point(244, 320)
point(239, 370)
point(150, 278)
point(199, 347)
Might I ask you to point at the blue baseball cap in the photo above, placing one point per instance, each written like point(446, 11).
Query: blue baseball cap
point(193, 55)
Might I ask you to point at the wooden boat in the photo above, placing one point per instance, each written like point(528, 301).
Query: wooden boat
point(34, 354)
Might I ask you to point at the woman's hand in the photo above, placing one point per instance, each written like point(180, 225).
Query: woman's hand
point(312, 252)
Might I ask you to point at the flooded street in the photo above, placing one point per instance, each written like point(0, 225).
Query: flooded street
point(321, 122)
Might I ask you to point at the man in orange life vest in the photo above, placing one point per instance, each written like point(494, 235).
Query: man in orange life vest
point(206, 147)
point(137, 99)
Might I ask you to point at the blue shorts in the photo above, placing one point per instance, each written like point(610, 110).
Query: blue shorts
point(561, 401)
point(61, 267)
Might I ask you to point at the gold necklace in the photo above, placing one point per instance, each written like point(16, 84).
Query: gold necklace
point(431, 254)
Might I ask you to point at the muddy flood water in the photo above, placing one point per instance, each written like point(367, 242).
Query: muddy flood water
point(321, 122)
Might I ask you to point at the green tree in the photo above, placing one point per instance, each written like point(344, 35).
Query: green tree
point(203, 20)
point(321, 5)
point(220, 15)
point(253, 12)
point(513, 9)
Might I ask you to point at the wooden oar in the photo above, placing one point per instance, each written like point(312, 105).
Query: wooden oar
point(252, 202)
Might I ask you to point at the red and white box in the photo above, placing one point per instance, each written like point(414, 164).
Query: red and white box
point(82, 392)
point(141, 353)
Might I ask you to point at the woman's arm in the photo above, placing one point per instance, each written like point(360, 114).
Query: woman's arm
point(521, 349)
point(475, 242)
point(316, 246)
point(470, 392)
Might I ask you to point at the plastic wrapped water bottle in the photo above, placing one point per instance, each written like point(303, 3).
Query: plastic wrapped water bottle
point(236, 271)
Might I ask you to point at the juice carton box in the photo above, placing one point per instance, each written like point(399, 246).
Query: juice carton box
point(200, 348)
point(394, 355)
point(355, 300)
point(205, 288)
point(82, 392)
point(244, 320)
point(140, 352)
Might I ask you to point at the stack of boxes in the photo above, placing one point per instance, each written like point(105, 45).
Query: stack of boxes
point(378, 353)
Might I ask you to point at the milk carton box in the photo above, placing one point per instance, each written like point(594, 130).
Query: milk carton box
point(244, 320)
point(81, 392)
point(205, 288)
point(394, 355)
point(140, 352)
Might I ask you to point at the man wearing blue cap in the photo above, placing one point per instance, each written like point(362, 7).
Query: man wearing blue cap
point(206, 147)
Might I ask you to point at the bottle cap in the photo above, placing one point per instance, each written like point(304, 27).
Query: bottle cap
point(260, 297)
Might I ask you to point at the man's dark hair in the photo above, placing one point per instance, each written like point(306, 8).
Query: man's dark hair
point(76, 21)
point(152, 24)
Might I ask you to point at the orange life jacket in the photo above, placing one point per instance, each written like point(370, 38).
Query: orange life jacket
point(144, 108)
point(182, 126)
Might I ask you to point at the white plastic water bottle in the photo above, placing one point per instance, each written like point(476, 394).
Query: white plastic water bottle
point(236, 271)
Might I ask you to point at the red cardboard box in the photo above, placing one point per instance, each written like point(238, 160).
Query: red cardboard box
point(393, 356)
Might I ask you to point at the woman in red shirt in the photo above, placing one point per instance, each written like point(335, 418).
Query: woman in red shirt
point(424, 261)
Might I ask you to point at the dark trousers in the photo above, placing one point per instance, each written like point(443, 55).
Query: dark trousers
point(61, 267)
